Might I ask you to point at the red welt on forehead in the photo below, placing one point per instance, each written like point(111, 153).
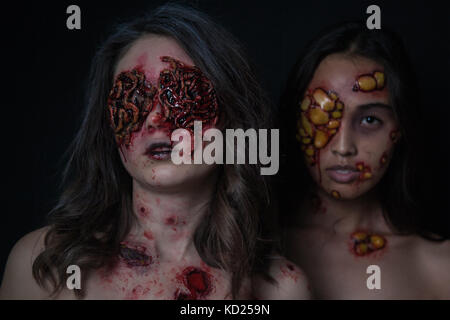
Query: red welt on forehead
point(184, 93)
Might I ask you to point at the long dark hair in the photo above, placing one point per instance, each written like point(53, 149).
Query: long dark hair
point(94, 212)
point(399, 190)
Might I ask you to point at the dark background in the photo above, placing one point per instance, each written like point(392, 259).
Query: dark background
point(49, 64)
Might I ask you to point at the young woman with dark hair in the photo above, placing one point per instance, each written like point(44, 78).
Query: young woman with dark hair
point(137, 225)
point(355, 149)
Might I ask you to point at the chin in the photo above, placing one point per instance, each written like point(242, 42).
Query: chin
point(164, 173)
point(168, 175)
point(348, 192)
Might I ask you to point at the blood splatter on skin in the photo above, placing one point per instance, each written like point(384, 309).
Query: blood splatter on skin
point(171, 220)
point(174, 221)
point(148, 235)
point(144, 212)
point(291, 272)
point(364, 243)
point(320, 117)
point(197, 284)
point(184, 93)
point(134, 256)
point(137, 292)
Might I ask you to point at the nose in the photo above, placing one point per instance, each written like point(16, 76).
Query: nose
point(343, 143)
point(154, 118)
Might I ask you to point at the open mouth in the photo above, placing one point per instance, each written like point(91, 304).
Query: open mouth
point(159, 151)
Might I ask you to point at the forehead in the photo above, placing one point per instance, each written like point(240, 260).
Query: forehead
point(146, 52)
point(338, 72)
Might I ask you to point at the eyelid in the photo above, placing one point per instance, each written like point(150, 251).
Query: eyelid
point(375, 117)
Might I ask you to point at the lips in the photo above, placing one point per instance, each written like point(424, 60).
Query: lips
point(343, 174)
point(159, 151)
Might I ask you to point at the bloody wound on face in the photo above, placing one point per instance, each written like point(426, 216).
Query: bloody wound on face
point(184, 93)
point(320, 114)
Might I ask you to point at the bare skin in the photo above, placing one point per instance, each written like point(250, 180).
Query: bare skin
point(320, 239)
point(158, 258)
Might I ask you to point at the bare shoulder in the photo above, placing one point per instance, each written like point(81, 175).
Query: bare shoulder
point(290, 282)
point(435, 259)
point(18, 281)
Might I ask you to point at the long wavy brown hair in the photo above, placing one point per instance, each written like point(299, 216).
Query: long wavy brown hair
point(94, 213)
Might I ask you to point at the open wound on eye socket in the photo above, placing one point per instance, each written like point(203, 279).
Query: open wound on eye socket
point(320, 118)
point(363, 243)
point(370, 82)
point(184, 92)
point(188, 101)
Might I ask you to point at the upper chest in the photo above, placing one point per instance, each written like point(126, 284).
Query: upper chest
point(336, 271)
point(164, 281)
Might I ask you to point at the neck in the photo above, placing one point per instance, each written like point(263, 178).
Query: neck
point(346, 216)
point(167, 220)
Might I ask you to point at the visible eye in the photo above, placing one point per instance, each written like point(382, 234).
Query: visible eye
point(371, 122)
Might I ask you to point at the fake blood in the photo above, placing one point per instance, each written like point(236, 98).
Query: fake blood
point(135, 257)
point(184, 93)
point(171, 220)
point(148, 235)
point(197, 284)
point(290, 271)
point(143, 212)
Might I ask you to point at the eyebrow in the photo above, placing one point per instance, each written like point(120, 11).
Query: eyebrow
point(368, 106)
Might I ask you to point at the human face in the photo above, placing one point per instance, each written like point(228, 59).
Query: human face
point(347, 127)
point(144, 138)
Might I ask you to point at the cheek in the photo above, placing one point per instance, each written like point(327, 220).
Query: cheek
point(319, 120)
point(130, 154)
point(374, 156)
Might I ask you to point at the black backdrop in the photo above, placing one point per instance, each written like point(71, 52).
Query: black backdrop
point(49, 64)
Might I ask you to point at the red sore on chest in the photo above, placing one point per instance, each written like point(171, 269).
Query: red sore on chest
point(197, 284)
